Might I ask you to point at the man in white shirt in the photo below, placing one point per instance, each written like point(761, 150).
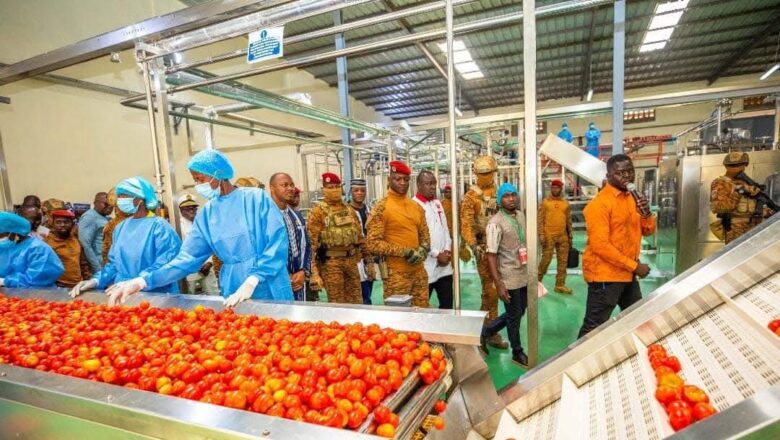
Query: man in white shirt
point(437, 264)
point(188, 208)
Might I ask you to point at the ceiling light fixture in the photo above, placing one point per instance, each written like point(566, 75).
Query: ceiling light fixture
point(774, 68)
point(662, 25)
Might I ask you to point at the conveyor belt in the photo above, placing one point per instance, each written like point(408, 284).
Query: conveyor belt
point(718, 352)
point(542, 424)
point(762, 301)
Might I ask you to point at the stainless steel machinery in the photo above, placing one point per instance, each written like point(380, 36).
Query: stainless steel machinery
point(40, 405)
point(713, 317)
point(684, 195)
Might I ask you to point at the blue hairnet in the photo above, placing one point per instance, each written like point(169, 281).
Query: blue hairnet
point(138, 187)
point(14, 224)
point(211, 163)
point(505, 189)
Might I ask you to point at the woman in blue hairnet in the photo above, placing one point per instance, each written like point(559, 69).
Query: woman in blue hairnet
point(141, 243)
point(242, 226)
point(25, 261)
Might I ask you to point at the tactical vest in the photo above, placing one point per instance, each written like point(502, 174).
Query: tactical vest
point(340, 228)
point(488, 208)
point(746, 206)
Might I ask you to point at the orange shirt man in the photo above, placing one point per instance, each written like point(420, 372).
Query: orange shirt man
point(67, 247)
point(615, 229)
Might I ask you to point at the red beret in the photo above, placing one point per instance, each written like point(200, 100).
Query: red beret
point(447, 186)
point(399, 167)
point(557, 182)
point(63, 213)
point(330, 178)
point(297, 190)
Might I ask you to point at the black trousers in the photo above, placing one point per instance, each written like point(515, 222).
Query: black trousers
point(602, 299)
point(443, 288)
point(518, 301)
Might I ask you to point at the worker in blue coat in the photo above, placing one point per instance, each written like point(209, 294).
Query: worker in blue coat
point(242, 226)
point(141, 243)
point(25, 261)
point(592, 137)
point(565, 134)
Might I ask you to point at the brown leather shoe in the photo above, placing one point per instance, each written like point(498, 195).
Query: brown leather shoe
point(563, 289)
point(497, 342)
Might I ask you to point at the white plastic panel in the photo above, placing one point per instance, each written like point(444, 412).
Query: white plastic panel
point(541, 424)
point(718, 352)
point(762, 301)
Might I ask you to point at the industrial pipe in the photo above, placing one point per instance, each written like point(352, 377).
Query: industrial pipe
point(277, 16)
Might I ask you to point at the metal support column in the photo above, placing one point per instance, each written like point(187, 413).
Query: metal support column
point(531, 170)
point(776, 139)
point(453, 137)
point(5, 183)
point(341, 72)
point(167, 165)
point(618, 71)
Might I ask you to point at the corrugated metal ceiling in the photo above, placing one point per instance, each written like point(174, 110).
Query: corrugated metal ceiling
point(402, 83)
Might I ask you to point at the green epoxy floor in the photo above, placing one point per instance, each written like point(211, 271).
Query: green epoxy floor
point(560, 316)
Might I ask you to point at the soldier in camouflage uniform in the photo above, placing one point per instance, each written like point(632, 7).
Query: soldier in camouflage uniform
point(479, 205)
point(732, 199)
point(397, 231)
point(338, 244)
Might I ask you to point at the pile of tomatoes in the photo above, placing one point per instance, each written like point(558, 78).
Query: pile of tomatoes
point(327, 374)
point(684, 404)
point(774, 326)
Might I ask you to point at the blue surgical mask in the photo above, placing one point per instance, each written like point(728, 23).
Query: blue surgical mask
point(6, 243)
point(206, 191)
point(127, 205)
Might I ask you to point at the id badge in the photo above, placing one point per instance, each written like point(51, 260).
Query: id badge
point(522, 254)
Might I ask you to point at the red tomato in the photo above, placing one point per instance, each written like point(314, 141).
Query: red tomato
point(663, 369)
point(693, 394)
point(386, 430)
point(235, 399)
point(680, 418)
point(656, 348)
point(382, 414)
point(702, 410)
point(440, 406)
point(774, 325)
point(667, 394)
point(673, 363)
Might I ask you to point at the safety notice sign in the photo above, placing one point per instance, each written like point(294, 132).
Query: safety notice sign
point(265, 44)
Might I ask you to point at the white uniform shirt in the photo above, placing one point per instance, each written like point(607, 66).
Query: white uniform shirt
point(440, 238)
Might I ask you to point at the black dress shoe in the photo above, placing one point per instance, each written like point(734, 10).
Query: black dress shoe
point(520, 359)
point(483, 345)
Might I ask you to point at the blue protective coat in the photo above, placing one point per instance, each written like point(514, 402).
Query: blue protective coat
point(592, 137)
point(245, 229)
point(565, 134)
point(140, 245)
point(31, 263)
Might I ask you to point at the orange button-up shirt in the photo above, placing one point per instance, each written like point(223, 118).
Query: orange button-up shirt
point(615, 231)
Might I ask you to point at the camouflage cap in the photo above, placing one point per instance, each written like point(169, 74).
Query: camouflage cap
point(52, 205)
point(736, 158)
point(485, 164)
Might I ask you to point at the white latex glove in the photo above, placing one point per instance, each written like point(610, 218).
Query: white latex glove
point(243, 293)
point(83, 286)
point(2, 282)
point(118, 293)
